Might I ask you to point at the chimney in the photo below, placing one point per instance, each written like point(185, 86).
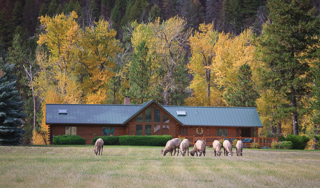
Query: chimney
point(126, 101)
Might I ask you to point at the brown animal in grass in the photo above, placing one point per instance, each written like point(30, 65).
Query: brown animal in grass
point(171, 146)
point(184, 147)
point(239, 147)
point(227, 148)
point(216, 148)
point(98, 146)
point(199, 148)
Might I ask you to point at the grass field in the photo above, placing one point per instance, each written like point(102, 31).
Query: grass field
point(127, 166)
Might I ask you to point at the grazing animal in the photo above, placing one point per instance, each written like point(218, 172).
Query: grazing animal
point(184, 147)
point(227, 148)
point(171, 146)
point(199, 148)
point(216, 148)
point(98, 146)
point(239, 147)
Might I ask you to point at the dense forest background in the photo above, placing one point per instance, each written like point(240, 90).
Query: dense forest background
point(177, 52)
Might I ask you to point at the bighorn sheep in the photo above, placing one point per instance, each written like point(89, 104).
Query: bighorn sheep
point(98, 146)
point(184, 147)
point(199, 148)
point(227, 148)
point(216, 148)
point(170, 146)
point(239, 147)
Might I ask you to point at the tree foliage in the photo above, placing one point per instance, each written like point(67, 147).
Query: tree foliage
point(11, 112)
point(287, 41)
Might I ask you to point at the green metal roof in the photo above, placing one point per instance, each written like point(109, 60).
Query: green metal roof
point(121, 114)
point(90, 114)
point(216, 116)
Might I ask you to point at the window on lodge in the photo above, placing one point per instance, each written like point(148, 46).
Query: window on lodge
point(108, 131)
point(222, 132)
point(150, 115)
point(152, 122)
point(71, 131)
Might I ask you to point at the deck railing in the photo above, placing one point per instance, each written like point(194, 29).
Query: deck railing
point(247, 141)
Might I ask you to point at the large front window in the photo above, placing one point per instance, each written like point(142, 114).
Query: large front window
point(108, 131)
point(71, 131)
point(222, 132)
point(152, 121)
point(138, 129)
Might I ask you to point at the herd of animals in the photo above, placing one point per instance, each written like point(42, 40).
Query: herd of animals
point(198, 149)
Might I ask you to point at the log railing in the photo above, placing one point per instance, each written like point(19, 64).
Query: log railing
point(247, 141)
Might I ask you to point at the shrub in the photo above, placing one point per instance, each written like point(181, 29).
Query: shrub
point(299, 142)
point(255, 145)
point(108, 140)
point(275, 145)
point(68, 140)
point(144, 140)
point(221, 142)
point(234, 143)
point(286, 145)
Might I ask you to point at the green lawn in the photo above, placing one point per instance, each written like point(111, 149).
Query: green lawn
point(127, 166)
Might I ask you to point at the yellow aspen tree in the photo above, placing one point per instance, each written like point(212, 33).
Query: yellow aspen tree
point(58, 69)
point(169, 39)
point(204, 89)
point(99, 49)
point(57, 80)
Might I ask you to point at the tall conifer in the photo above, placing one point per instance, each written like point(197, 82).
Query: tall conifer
point(288, 38)
point(10, 107)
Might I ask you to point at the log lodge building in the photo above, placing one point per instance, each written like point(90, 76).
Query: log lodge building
point(151, 118)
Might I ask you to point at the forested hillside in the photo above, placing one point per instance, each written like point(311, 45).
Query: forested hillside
point(255, 53)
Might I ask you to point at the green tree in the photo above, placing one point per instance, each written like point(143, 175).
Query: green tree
point(53, 6)
point(10, 107)
point(138, 11)
point(286, 43)
point(243, 92)
point(231, 16)
point(94, 10)
point(140, 72)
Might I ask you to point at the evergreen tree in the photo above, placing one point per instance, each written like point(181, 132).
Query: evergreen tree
point(287, 41)
point(3, 27)
point(94, 10)
point(53, 6)
point(10, 107)
point(17, 14)
point(139, 75)
point(30, 16)
point(243, 92)
point(155, 12)
point(138, 11)
point(231, 17)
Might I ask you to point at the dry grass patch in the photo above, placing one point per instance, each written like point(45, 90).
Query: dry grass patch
point(121, 166)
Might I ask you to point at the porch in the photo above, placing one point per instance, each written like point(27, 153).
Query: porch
point(247, 141)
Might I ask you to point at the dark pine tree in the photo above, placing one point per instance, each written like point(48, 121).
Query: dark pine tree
point(10, 107)
point(243, 92)
point(139, 75)
point(287, 41)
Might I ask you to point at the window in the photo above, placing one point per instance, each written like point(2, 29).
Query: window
point(156, 129)
point(147, 130)
point(140, 118)
point(165, 118)
point(148, 114)
point(183, 131)
point(222, 132)
point(108, 131)
point(71, 130)
point(156, 115)
point(165, 129)
point(138, 129)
